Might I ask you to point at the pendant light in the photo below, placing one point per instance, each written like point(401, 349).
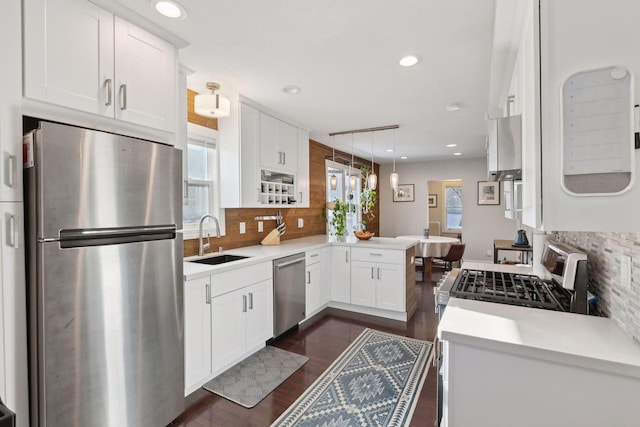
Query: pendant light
point(394, 178)
point(352, 177)
point(334, 178)
point(211, 105)
point(373, 178)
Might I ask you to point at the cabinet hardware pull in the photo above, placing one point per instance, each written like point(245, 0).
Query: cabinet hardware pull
point(372, 254)
point(308, 277)
point(13, 238)
point(244, 303)
point(378, 273)
point(313, 255)
point(108, 89)
point(250, 300)
point(372, 272)
point(208, 294)
point(186, 189)
point(284, 158)
point(12, 171)
point(346, 257)
point(123, 96)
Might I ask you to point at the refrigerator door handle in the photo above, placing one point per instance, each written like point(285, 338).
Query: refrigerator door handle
point(100, 236)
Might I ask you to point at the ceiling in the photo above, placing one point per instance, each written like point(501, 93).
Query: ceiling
point(344, 56)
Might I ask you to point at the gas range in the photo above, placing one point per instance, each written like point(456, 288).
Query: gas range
point(515, 285)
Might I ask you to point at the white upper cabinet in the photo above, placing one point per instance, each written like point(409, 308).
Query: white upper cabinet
point(557, 40)
point(264, 161)
point(278, 144)
point(80, 56)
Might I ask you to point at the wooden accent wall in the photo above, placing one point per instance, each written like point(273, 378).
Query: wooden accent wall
point(313, 218)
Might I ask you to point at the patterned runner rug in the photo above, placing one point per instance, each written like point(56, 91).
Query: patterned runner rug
point(376, 381)
point(251, 380)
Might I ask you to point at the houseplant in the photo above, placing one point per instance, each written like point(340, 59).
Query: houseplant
point(368, 196)
point(339, 217)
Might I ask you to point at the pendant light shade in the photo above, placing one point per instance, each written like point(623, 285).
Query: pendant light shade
point(373, 178)
point(372, 181)
point(211, 105)
point(333, 182)
point(394, 178)
point(352, 182)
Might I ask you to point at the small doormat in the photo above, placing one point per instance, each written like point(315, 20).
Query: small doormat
point(251, 380)
point(376, 381)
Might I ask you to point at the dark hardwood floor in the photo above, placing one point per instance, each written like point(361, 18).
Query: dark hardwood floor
point(322, 340)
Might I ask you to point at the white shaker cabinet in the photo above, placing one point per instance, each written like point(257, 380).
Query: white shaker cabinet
point(559, 39)
point(378, 278)
point(197, 332)
point(278, 144)
point(303, 184)
point(80, 56)
point(341, 274)
point(317, 283)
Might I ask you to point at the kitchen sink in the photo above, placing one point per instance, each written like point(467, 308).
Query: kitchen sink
point(219, 259)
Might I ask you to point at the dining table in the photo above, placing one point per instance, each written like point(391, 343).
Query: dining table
point(429, 247)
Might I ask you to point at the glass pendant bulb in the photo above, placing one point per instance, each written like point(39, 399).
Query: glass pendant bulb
point(394, 178)
point(373, 181)
point(352, 182)
point(334, 182)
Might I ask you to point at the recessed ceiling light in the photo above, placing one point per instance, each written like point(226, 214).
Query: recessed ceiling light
point(169, 8)
point(390, 150)
point(291, 90)
point(409, 60)
point(451, 145)
point(453, 106)
point(403, 157)
point(457, 154)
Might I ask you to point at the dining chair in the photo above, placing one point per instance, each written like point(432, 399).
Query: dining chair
point(455, 254)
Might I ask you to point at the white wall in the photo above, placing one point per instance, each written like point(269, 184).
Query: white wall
point(481, 224)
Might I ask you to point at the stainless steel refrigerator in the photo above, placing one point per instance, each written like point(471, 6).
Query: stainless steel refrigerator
point(105, 279)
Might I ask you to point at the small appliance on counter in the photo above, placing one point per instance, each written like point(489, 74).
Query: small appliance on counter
point(521, 240)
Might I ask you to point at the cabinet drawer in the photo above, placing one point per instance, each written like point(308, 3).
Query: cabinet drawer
point(228, 281)
point(312, 257)
point(391, 256)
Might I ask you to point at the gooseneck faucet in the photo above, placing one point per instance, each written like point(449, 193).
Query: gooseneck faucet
point(204, 246)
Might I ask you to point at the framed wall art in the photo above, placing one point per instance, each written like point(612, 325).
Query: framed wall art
point(488, 193)
point(404, 194)
point(433, 200)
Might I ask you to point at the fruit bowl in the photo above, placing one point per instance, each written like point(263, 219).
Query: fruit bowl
point(364, 235)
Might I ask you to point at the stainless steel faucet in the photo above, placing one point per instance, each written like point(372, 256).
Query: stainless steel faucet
point(204, 246)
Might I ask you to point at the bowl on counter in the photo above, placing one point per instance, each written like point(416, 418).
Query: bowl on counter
point(364, 235)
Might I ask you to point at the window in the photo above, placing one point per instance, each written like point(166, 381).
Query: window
point(453, 206)
point(344, 193)
point(202, 182)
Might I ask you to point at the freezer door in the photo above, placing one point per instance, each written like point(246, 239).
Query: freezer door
point(87, 179)
point(110, 334)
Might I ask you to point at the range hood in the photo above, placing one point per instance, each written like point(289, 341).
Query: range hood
point(504, 148)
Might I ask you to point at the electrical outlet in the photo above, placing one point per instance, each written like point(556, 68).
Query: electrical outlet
point(243, 227)
point(260, 227)
point(300, 222)
point(625, 271)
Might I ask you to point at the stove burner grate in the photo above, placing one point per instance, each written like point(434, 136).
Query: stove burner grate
point(510, 288)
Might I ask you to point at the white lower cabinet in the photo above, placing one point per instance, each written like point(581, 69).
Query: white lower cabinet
point(228, 316)
point(197, 326)
point(341, 274)
point(375, 283)
point(317, 283)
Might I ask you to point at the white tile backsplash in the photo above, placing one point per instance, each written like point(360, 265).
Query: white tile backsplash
point(604, 251)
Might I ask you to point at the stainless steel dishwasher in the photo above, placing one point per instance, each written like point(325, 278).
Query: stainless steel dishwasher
point(288, 292)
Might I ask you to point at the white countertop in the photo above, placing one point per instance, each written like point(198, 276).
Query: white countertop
point(587, 341)
point(259, 253)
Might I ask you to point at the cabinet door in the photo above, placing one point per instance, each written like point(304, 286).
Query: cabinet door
point(363, 283)
point(325, 275)
point(228, 329)
point(302, 176)
point(10, 104)
point(312, 295)
point(146, 78)
point(68, 55)
point(390, 287)
point(340, 274)
point(197, 332)
point(278, 144)
point(259, 314)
